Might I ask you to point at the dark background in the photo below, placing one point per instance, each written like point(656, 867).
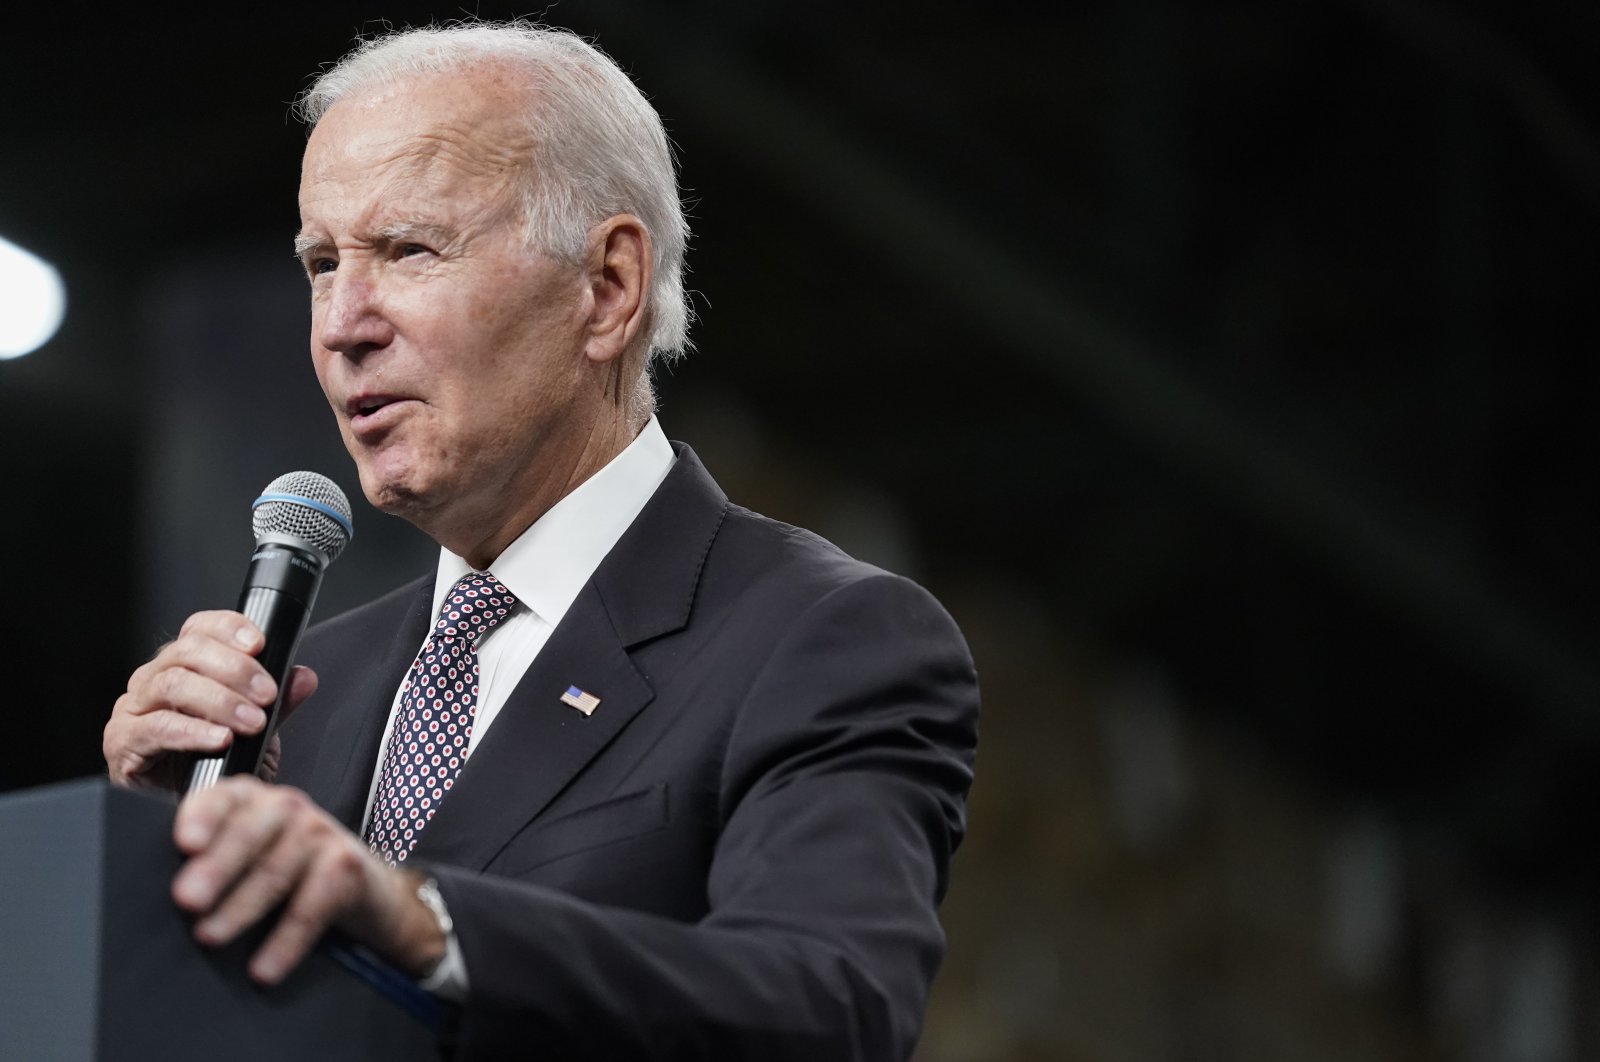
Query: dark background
point(1225, 369)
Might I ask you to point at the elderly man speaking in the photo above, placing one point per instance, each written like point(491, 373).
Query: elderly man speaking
point(705, 772)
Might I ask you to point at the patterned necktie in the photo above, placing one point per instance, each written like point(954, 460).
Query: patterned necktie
point(428, 743)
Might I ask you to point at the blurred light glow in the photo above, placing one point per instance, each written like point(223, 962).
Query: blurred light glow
point(32, 301)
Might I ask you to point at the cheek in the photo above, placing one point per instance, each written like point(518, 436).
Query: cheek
point(495, 324)
point(320, 365)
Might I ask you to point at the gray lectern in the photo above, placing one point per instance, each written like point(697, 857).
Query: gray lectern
point(97, 963)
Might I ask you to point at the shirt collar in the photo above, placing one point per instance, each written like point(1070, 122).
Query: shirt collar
point(549, 563)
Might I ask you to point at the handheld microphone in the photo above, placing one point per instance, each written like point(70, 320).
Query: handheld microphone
point(302, 524)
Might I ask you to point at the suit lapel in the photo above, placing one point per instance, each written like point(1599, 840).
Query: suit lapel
point(642, 590)
point(538, 744)
point(357, 706)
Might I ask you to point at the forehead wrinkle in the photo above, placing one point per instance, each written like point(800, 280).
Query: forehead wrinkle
point(493, 150)
point(481, 182)
point(399, 215)
point(461, 166)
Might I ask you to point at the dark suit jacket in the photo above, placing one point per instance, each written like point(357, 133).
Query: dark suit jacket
point(739, 854)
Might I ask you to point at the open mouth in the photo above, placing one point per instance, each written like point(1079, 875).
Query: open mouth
point(368, 414)
point(367, 405)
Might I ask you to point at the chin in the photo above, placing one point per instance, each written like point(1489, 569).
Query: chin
point(392, 494)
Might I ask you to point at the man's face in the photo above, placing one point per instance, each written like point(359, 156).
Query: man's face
point(449, 352)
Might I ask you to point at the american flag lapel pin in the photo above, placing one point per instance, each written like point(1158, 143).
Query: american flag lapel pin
point(582, 700)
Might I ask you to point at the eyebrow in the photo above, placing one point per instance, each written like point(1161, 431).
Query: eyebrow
point(396, 232)
point(406, 231)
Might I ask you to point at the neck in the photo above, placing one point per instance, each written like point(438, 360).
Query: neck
point(480, 533)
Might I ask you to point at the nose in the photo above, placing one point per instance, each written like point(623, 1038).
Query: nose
point(349, 318)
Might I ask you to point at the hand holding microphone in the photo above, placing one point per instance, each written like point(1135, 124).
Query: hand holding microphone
point(205, 709)
point(217, 691)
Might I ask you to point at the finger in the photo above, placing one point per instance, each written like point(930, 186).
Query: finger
point(220, 645)
point(201, 813)
point(302, 684)
point(200, 693)
point(271, 757)
point(208, 673)
point(225, 662)
point(225, 829)
point(263, 886)
point(134, 744)
point(224, 625)
point(332, 884)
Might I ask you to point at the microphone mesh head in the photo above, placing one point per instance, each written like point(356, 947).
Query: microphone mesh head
point(306, 506)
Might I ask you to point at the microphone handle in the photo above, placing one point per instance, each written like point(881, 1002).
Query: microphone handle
point(279, 590)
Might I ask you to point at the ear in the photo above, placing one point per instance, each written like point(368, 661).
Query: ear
point(619, 275)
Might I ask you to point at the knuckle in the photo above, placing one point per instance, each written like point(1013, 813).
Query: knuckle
point(167, 684)
point(274, 880)
point(294, 800)
point(237, 785)
point(167, 726)
point(140, 675)
point(233, 792)
point(222, 700)
point(241, 669)
point(175, 729)
point(333, 886)
point(346, 863)
point(281, 810)
point(126, 704)
point(302, 920)
point(196, 622)
point(157, 728)
point(112, 748)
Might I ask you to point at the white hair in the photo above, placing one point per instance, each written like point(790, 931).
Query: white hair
point(602, 148)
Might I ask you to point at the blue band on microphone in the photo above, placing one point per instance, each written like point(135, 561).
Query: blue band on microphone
point(295, 499)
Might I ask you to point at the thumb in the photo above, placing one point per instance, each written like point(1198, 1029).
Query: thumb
point(302, 684)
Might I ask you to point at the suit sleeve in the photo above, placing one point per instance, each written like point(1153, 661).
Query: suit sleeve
point(843, 788)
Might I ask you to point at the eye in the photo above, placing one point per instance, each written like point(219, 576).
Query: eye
point(320, 266)
point(409, 250)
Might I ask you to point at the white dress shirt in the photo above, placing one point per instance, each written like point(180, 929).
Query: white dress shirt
point(544, 568)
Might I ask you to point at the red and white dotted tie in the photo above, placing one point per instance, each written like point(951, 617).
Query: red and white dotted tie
point(438, 702)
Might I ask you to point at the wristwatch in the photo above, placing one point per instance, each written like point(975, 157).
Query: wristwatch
point(428, 893)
